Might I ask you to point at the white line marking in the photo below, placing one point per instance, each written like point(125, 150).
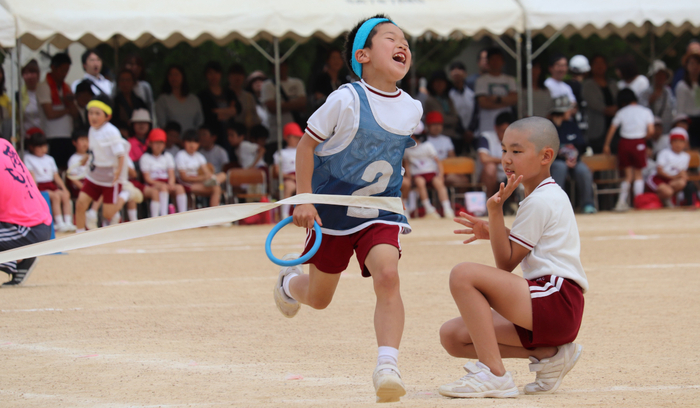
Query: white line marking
point(624, 388)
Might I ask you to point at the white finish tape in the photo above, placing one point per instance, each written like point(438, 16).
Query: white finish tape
point(190, 219)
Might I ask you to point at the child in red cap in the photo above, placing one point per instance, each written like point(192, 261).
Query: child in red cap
point(285, 162)
point(442, 144)
point(671, 175)
point(158, 169)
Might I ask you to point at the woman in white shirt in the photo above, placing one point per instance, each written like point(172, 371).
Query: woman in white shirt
point(628, 71)
point(688, 96)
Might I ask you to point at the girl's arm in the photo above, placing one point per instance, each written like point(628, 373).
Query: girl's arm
point(120, 167)
point(258, 156)
point(305, 214)
point(608, 138)
point(441, 169)
point(59, 181)
point(171, 177)
point(147, 177)
point(650, 130)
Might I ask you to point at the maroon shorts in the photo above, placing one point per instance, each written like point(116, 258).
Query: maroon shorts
point(427, 176)
point(632, 153)
point(49, 186)
point(137, 184)
point(654, 181)
point(110, 195)
point(557, 310)
point(334, 254)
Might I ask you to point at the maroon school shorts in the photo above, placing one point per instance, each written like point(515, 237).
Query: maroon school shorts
point(655, 181)
point(557, 310)
point(427, 176)
point(110, 195)
point(632, 153)
point(48, 186)
point(334, 254)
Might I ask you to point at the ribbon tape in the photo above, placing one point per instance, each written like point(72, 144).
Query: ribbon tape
point(187, 220)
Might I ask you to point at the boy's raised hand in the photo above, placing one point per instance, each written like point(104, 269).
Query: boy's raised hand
point(478, 227)
point(504, 191)
point(304, 216)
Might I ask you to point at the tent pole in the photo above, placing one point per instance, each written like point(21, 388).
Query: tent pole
point(652, 43)
point(20, 113)
point(547, 43)
point(519, 73)
point(505, 46)
point(115, 40)
point(414, 68)
point(14, 80)
point(528, 65)
point(278, 106)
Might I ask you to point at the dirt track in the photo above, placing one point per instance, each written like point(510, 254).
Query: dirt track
point(187, 319)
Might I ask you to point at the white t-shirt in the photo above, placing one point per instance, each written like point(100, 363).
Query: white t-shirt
point(671, 162)
point(246, 152)
point(190, 164)
point(100, 84)
point(638, 85)
point(43, 167)
point(293, 88)
point(422, 159)
point(339, 118)
point(75, 170)
point(464, 105)
point(559, 88)
point(106, 145)
point(545, 224)
point(442, 144)
point(157, 166)
point(488, 84)
point(286, 160)
point(490, 144)
point(633, 121)
point(54, 128)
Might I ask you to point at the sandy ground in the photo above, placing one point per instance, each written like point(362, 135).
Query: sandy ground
point(187, 320)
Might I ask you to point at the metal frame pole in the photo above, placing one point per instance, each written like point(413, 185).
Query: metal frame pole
point(528, 65)
point(278, 108)
point(519, 73)
point(12, 137)
point(20, 112)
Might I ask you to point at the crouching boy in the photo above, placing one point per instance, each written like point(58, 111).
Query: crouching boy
point(537, 316)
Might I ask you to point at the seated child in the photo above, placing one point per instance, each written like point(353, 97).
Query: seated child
point(193, 172)
point(215, 154)
point(25, 218)
point(158, 169)
point(107, 176)
point(442, 144)
point(426, 169)
point(173, 143)
point(503, 315)
point(247, 154)
point(285, 161)
point(139, 128)
point(488, 146)
point(43, 169)
point(671, 175)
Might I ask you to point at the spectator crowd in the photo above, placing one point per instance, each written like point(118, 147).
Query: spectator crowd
point(182, 143)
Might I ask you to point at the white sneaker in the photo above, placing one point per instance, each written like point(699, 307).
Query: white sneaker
point(622, 206)
point(134, 193)
point(90, 220)
point(286, 305)
point(387, 383)
point(61, 227)
point(481, 383)
point(70, 227)
point(431, 212)
point(550, 371)
point(448, 212)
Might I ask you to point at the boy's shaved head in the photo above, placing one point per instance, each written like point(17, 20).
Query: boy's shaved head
point(540, 131)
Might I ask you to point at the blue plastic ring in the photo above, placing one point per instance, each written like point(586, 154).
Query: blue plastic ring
point(291, 262)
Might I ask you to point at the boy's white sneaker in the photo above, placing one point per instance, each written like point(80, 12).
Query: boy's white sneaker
point(387, 383)
point(622, 207)
point(431, 212)
point(448, 212)
point(286, 305)
point(480, 382)
point(550, 371)
point(91, 220)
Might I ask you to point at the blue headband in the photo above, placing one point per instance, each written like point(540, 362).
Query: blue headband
point(361, 39)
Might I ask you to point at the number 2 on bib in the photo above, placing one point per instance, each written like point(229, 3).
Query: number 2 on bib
point(383, 167)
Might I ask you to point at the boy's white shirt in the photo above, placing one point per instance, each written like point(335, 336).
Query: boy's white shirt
point(422, 159)
point(672, 163)
point(442, 144)
point(106, 144)
point(286, 159)
point(190, 164)
point(338, 119)
point(157, 166)
point(633, 121)
point(43, 167)
point(545, 224)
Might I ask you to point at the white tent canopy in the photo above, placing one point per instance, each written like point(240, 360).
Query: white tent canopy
point(171, 22)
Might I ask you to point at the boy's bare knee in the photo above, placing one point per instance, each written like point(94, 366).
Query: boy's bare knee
point(461, 276)
point(319, 302)
point(386, 280)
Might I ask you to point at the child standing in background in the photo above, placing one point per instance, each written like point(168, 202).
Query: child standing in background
point(158, 169)
point(426, 169)
point(45, 173)
point(285, 160)
point(636, 124)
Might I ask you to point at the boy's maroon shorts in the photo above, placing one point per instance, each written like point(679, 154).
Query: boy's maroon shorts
point(427, 176)
point(48, 186)
point(110, 195)
point(632, 153)
point(334, 254)
point(557, 310)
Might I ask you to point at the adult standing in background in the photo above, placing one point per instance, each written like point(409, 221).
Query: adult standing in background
point(495, 91)
point(255, 81)
point(659, 96)
point(626, 68)
point(176, 103)
point(558, 67)
point(463, 101)
point(125, 101)
point(248, 115)
point(600, 94)
point(541, 98)
point(142, 88)
point(31, 116)
point(482, 63)
point(92, 65)
point(5, 109)
point(688, 95)
point(440, 101)
point(293, 102)
point(329, 79)
point(693, 46)
point(58, 109)
point(83, 95)
point(219, 104)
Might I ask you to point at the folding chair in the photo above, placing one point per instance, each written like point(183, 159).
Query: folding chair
point(694, 167)
point(463, 166)
point(609, 181)
point(235, 178)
